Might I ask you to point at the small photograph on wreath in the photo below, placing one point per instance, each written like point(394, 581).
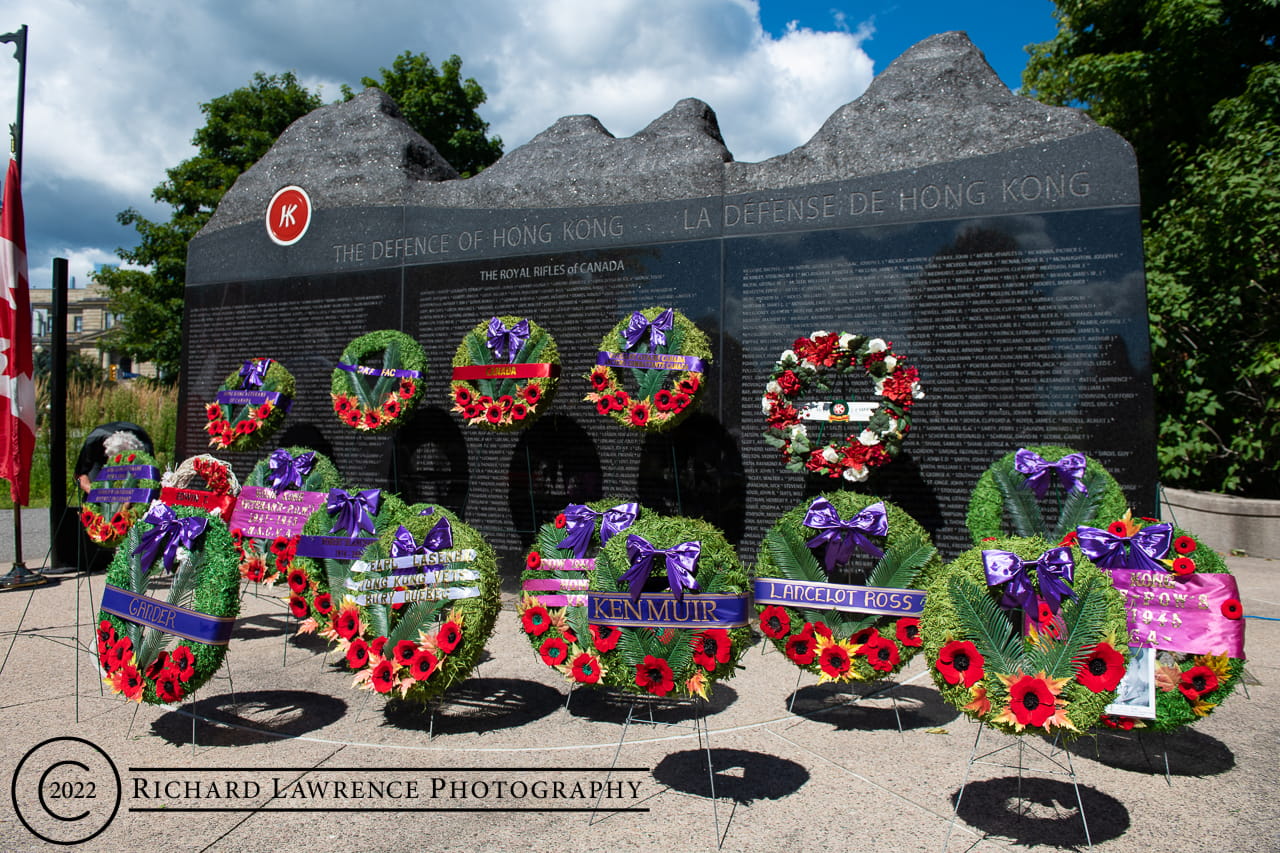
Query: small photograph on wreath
point(1136, 693)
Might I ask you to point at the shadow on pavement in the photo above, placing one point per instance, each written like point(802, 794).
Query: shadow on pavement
point(607, 706)
point(258, 716)
point(479, 705)
point(742, 775)
point(1190, 753)
point(919, 707)
point(1046, 812)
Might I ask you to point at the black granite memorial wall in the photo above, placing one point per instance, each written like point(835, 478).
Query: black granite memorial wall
point(1004, 260)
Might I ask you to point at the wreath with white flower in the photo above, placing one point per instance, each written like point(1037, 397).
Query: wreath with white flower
point(1195, 672)
point(664, 355)
point(866, 542)
point(250, 405)
point(192, 548)
point(555, 580)
point(302, 470)
point(505, 373)
point(378, 398)
point(310, 577)
point(451, 594)
point(806, 368)
point(177, 487)
point(118, 496)
point(674, 568)
point(1007, 499)
point(1026, 637)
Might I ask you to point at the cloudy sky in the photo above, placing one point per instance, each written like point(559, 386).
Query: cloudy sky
point(113, 89)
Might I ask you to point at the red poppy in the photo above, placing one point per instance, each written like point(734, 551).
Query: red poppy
point(1072, 538)
point(1118, 528)
point(960, 663)
point(663, 400)
point(383, 677)
point(1198, 681)
point(358, 653)
point(183, 662)
point(864, 636)
point(348, 623)
point(493, 414)
point(280, 545)
point(621, 400)
point(168, 687)
point(353, 418)
point(263, 412)
point(158, 665)
point(802, 648)
point(519, 412)
point(120, 523)
point(298, 607)
point(817, 629)
point(908, 632)
point(585, 669)
point(554, 651)
point(1044, 613)
point(212, 412)
point(372, 420)
point(1102, 669)
point(323, 604)
point(711, 648)
point(535, 620)
point(423, 665)
point(407, 389)
point(404, 651)
point(391, 408)
point(106, 631)
point(1122, 723)
point(655, 676)
point(639, 414)
point(561, 521)
point(600, 378)
point(473, 411)
point(129, 682)
point(119, 653)
point(775, 622)
point(297, 580)
point(689, 385)
point(341, 404)
point(834, 660)
point(1184, 545)
point(448, 637)
point(1184, 566)
point(505, 402)
point(881, 653)
point(87, 517)
point(1031, 700)
point(605, 637)
point(679, 401)
point(378, 644)
point(531, 394)
point(604, 405)
point(533, 561)
point(1232, 609)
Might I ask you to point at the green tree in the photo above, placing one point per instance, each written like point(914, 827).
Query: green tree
point(1194, 85)
point(441, 106)
point(239, 128)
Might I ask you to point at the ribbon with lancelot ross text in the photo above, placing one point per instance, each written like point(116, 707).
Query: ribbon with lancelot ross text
point(169, 618)
point(664, 610)
point(651, 361)
point(811, 595)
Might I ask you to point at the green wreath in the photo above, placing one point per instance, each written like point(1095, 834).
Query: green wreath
point(1188, 686)
point(665, 355)
point(142, 663)
point(251, 404)
point(422, 649)
point(378, 399)
point(118, 497)
point(556, 579)
point(261, 562)
point(839, 645)
point(1045, 681)
point(505, 373)
point(1002, 504)
point(661, 661)
point(311, 591)
point(850, 456)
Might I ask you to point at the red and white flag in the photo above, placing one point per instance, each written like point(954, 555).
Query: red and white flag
point(17, 389)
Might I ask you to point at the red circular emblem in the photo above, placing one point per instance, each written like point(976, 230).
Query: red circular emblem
point(288, 215)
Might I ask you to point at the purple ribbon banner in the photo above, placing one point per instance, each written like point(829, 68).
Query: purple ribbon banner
point(1180, 613)
point(553, 564)
point(169, 618)
point(333, 547)
point(112, 473)
point(245, 397)
point(811, 595)
point(651, 361)
point(664, 610)
point(379, 371)
point(121, 496)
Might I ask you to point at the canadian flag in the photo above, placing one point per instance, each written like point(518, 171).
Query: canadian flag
point(17, 389)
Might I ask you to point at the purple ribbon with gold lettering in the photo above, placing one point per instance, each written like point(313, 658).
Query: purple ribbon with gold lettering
point(1055, 569)
point(657, 328)
point(839, 536)
point(355, 512)
point(1146, 548)
point(285, 472)
point(1039, 473)
point(499, 338)
point(682, 562)
point(167, 534)
point(581, 523)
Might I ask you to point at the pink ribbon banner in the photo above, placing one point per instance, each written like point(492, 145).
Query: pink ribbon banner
point(264, 514)
point(1180, 613)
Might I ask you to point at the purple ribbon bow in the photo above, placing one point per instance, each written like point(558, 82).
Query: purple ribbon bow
point(286, 472)
point(1039, 473)
point(1055, 569)
point(1146, 548)
point(840, 536)
point(581, 523)
point(254, 372)
point(437, 539)
point(682, 562)
point(657, 329)
point(167, 534)
point(355, 512)
point(501, 338)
